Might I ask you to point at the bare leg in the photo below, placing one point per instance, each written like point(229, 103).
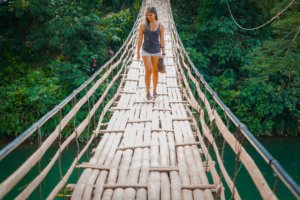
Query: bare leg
point(154, 60)
point(148, 72)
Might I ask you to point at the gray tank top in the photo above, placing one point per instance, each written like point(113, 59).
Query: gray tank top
point(151, 40)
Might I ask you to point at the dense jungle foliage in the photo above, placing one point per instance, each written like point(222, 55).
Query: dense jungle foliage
point(46, 47)
point(255, 73)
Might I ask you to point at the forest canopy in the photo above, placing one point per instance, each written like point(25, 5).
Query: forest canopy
point(46, 49)
point(255, 73)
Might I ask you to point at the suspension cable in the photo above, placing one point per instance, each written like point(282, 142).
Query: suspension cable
point(258, 27)
point(294, 38)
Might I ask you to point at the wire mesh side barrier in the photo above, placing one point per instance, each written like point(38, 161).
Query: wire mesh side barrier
point(111, 70)
point(210, 96)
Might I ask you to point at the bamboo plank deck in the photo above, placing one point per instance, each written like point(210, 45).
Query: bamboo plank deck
point(148, 149)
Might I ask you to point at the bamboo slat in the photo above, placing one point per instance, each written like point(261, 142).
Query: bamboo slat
point(133, 147)
point(138, 186)
point(162, 109)
point(184, 102)
point(133, 174)
point(116, 108)
point(100, 181)
point(183, 172)
point(123, 172)
point(182, 119)
point(143, 179)
point(135, 80)
point(146, 112)
point(162, 130)
point(154, 177)
point(139, 120)
point(175, 180)
point(136, 163)
point(164, 161)
point(110, 131)
point(127, 92)
point(93, 166)
point(175, 186)
point(145, 102)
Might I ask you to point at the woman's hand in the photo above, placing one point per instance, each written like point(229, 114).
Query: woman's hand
point(138, 56)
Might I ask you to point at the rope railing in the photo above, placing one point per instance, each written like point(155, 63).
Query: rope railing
point(190, 71)
point(90, 87)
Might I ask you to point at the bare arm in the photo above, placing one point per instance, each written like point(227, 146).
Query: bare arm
point(140, 40)
point(162, 39)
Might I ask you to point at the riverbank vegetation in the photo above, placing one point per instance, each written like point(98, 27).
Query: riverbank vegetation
point(46, 49)
point(255, 73)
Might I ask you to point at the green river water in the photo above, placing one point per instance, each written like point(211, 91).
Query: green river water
point(285, 149)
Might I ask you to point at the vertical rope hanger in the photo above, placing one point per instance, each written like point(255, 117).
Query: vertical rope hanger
point(76, 137)
point(275, 184)
point(293, 40)
point(210, 131)
point(40, 141)
point(60, 152)
point(238, 146)
point(93, 102)
point(89, 114)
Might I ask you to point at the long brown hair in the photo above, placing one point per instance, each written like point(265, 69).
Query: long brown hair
point(152, 10)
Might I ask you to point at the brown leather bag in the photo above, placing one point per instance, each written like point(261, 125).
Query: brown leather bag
point(161, 65)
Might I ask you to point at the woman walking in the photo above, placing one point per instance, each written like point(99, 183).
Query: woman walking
point(152, 32)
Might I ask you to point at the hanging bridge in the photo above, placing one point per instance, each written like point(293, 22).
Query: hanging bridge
point(176, 146)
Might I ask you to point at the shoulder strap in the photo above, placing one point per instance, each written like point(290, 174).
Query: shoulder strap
point(144, 27)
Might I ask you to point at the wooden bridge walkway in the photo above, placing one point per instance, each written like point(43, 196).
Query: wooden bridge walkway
point(149, 149)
